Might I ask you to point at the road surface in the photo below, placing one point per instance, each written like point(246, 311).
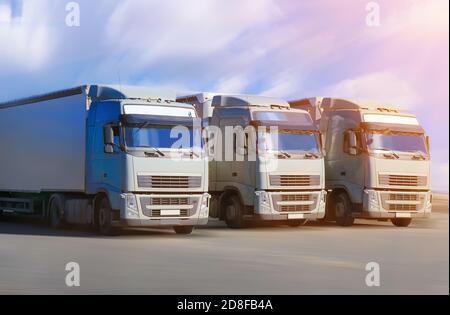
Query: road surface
point(313, 259)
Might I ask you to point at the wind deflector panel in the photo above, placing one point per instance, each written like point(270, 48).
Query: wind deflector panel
point(153, 120)
point(381, 127)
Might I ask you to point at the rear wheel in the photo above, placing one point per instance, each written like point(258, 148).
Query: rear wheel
point(183, 229)
point(296, 223)
point(343, 210)
point(104, 218)
point(234, 212)
point(401, 222)
point(57, 212)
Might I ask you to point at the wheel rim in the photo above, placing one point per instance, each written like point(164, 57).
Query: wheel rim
point(231, 212)
point(55, 214)
point(102, 217)
point(340, 209)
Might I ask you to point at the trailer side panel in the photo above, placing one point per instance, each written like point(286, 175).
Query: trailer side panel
point(42, 145)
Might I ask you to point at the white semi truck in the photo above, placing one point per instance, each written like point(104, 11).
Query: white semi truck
point(377, 161)
point(272, 177)
point(103, 156)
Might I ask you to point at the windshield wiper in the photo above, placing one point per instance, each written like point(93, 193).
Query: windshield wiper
point(285, 154)
point(310, 154)
point(418, 155)
point(389, 153)
point(156, 150)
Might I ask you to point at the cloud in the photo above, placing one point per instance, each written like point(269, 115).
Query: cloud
point(154, 30)
point(26, 40)
point(382, 86)
point(235, 84)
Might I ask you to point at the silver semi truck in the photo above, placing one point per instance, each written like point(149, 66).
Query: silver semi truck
point(377, 161)
point(103, 156)
point(272, 177)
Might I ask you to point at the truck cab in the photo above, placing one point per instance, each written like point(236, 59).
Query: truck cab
point(271, 176)
point(377, 161)
point(134, 159)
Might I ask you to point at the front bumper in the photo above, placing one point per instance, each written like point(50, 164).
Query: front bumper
point(290, 205)
point(153, 210)
point(396, 204)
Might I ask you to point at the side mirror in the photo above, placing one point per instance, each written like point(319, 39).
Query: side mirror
point(109, 148)
point(108, 135)
point(353, 148)
point(427, 141)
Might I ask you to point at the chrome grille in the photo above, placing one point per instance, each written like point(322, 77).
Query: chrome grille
point(402, 180)
point(402, 207)
point(294, 208)
point(403, 197)
point(294, 180)
point(296, 197)
point(153, 181)
point(169, 201)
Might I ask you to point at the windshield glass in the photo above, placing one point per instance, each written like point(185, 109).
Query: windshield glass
point(397, 142)
point(160, 137)
point(293, 142)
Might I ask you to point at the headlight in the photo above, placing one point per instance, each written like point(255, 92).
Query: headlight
point(263, 197)
point(204, 206)
point(373, 202)
point(131, 205)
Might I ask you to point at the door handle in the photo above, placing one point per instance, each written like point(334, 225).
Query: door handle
point(343, 173)
point(234, 174)
point(105, 175)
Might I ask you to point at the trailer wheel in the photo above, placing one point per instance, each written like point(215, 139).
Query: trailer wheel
point(183, 229)
point(234, 212)
point(343, 210)
point(296, 223)
point(401, 222)
point(57, 212)
point(104, 218)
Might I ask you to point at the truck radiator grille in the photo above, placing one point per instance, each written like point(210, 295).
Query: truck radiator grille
point(168, 201)
point(153, 181)
point(403, 207)
point(402, 180)
point(403, 197)
point(294, 180)
point(296, 197)
point(295, 208)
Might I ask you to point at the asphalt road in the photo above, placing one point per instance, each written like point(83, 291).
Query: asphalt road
point(313, 259)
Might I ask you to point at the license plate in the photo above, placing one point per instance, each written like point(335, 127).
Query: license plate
point(170, 212)
point(403, 215)
point(296, 216)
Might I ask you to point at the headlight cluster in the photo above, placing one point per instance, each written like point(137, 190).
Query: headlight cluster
point(204, 206)
point(373, 202)
point(263, 198)
point(131, 206)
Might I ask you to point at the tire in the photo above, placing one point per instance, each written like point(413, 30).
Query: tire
point(343, 210)
point(401, 222)
point(234, 212)
point(183, 229)
point(56, 212)
point(104, 218)
point(296, 223)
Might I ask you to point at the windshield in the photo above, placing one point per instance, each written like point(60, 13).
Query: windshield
point(397, 142)
point(293, 141)
point(162, 137)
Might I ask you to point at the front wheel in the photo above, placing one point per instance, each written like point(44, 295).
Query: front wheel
point(183, 229)
point(104, 218)
point(57, 212)
point(343, 210)
point(234, 212)
point(401, 222)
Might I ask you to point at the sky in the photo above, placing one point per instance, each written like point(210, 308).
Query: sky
point(284, 48)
